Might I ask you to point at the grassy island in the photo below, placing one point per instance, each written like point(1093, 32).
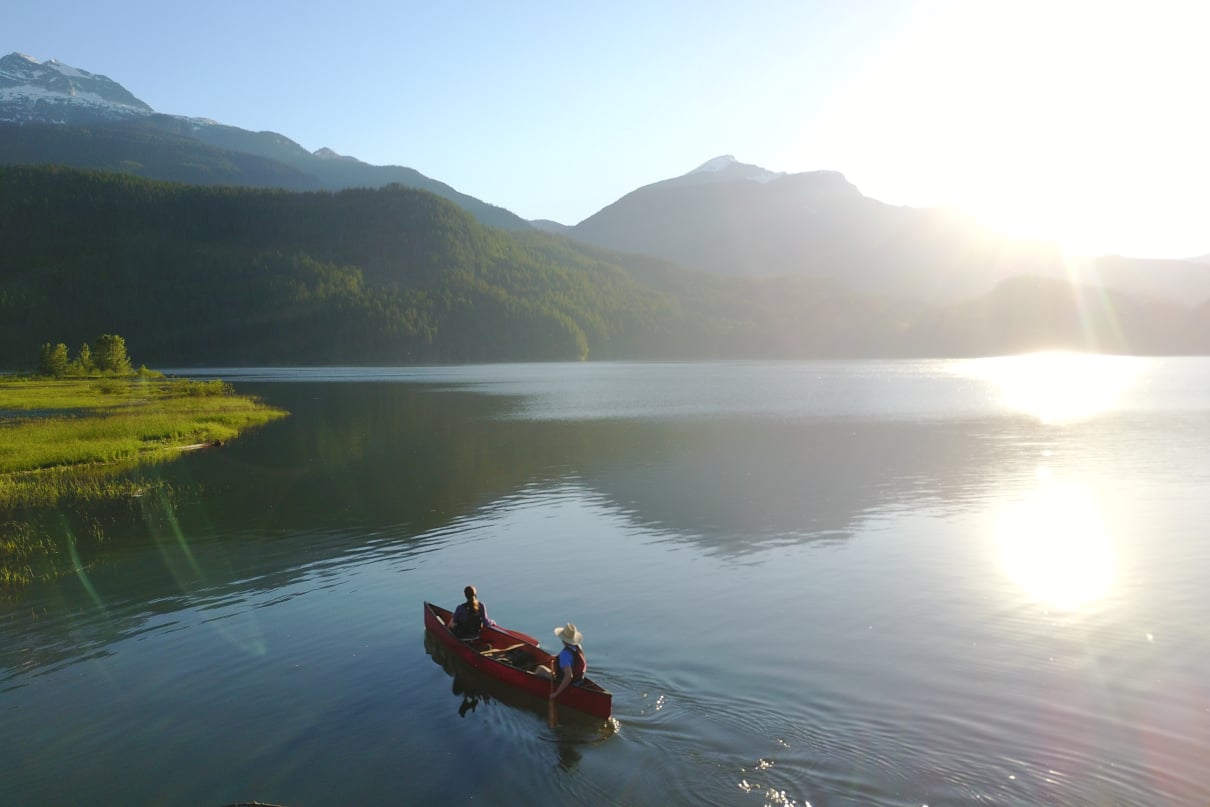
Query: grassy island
point(66, 442)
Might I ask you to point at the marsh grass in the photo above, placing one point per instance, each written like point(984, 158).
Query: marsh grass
point(58, 424)
point(22, 547)
point(69, 444)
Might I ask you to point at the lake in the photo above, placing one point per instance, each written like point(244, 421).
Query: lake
point(825, 583)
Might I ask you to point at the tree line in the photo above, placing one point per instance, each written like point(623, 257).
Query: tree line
point(238, 275)
point(244, 276)
point(106, 355)
point(199, 275)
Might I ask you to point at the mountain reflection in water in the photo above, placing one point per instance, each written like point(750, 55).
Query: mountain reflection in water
point(867, 583)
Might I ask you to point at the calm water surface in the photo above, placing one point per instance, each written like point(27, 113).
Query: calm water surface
point(869, 583)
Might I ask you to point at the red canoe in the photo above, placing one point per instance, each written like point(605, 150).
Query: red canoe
point(511, 657)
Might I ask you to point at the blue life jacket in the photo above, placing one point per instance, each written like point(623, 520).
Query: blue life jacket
point(579, 665)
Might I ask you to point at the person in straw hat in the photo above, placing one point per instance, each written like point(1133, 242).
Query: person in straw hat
point(570, 664)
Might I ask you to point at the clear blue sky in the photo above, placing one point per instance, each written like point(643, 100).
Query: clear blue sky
point(1085, 122)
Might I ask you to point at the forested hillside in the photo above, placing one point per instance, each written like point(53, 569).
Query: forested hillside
point(174, 149)
point(201, 274)
point(222, 275)
point(147, 153)
point(236, 275)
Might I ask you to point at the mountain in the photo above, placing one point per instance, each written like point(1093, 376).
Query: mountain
point(548, 226)
point(200, 274)
point(53, 113)
point(725, 169)
point(1030, 313)
point(142, 152)
point(725, 217)
point(733, 219)
point(330, 170)
point(33, 92)
point(224, 276)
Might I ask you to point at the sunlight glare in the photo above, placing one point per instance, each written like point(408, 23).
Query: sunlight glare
point(1055, 547)
point(1039, 119)
point(1058, 387)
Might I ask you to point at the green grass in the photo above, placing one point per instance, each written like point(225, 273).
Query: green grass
point(60, 424)
point(68, 443)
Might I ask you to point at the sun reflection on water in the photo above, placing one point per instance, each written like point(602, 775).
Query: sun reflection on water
point(1055, 547)
point(1058, 387)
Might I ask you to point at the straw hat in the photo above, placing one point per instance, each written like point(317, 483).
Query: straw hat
point(569, 635)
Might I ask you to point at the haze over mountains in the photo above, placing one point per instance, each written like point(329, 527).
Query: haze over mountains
point(935, 272)
point(734, 219)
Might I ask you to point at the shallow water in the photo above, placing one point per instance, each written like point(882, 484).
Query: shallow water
point(825, 583)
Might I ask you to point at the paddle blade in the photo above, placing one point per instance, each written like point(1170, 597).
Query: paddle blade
point(553, 717)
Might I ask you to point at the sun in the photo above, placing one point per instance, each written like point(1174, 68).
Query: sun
point(1068, 122)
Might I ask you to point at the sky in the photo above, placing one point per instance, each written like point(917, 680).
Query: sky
point(1083, 123)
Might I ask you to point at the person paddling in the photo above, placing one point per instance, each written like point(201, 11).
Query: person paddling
point(569, 665)
point(471, 616)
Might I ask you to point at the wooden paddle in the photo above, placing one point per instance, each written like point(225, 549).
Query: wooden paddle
point(502, 649)
point(553, 712)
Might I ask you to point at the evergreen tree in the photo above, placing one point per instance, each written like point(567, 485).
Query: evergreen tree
point(52, 360)
point(83, 364)
point(110, 353)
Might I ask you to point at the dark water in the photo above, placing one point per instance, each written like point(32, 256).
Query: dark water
point(875, 583)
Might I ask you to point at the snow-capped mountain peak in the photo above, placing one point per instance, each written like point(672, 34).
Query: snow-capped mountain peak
point(727, 168)
point(717, 164)
point(326, 153)
point(53, 92)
